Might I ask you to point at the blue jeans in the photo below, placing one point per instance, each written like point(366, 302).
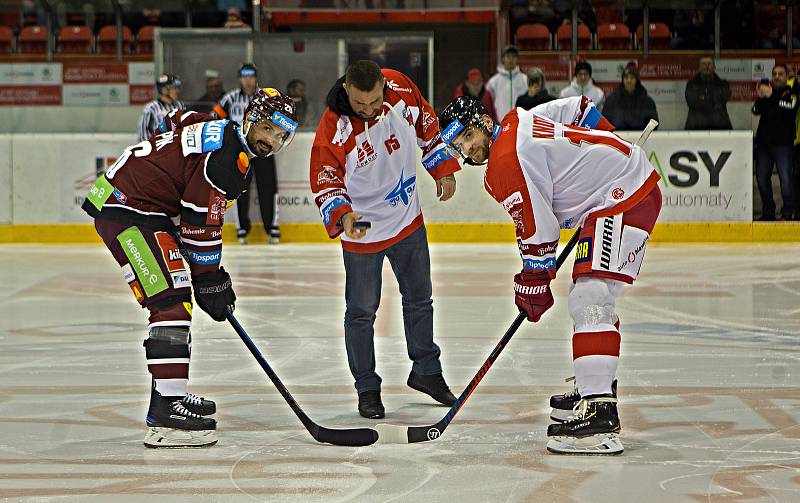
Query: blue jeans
point(411, 263)
point(781, 157)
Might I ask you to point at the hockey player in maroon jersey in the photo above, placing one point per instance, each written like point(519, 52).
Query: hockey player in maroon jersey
point(555, 167)
point(164, 201)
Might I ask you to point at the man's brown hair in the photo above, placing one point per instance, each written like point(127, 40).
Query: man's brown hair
point(363, 75)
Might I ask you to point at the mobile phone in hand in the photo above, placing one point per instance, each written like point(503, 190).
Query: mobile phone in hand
point(361, 224)
point(764, 82)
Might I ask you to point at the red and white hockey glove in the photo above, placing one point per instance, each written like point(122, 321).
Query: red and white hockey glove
point(532, 294)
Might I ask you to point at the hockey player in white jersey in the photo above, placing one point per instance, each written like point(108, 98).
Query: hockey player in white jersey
point(555, 167)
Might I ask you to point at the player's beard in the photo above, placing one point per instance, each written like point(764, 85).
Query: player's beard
point(481, 154)
point(263, 148)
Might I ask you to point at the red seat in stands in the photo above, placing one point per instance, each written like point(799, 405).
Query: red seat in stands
point(107, 39)
point(613, 36)
point(658, 34)
point(75, 39)
point(145, 38)
point(32, 39)
point(534, 37)
point(564, 37)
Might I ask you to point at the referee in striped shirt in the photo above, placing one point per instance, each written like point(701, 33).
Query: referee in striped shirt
point(168, 88)
point(232, 106)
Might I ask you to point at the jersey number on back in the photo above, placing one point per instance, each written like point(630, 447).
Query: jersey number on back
point(543, 128)
point(139, 150)
point(577, 135)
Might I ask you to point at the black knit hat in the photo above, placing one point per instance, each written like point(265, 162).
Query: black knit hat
point(583, 65)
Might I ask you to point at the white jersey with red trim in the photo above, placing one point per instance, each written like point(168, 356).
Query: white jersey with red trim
point(549, 175)
point(371, 167)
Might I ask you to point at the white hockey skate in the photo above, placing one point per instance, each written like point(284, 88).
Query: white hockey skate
point(160, 436)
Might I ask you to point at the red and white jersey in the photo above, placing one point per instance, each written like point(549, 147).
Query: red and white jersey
point(371, 167)
point(549, 175)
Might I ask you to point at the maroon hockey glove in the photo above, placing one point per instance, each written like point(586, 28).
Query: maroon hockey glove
point(532, 294)
point(214, 293)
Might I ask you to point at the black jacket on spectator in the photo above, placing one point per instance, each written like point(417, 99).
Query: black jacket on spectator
point(776, 127)
point(630, 111)
point(527, 102)
point(708, 103)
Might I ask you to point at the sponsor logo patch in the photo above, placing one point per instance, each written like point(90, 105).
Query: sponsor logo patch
point(402, 192)
point(514, 207)
point(439, 157)
point(617, 193)
point(127, 272)
point(583, 251)
point(205, 257)
point(366, 154)
point(605, 251)
point(170, 252)
point(120, 196)
point(137, 291)
point(328, 175)
point(216, 208)
point(283, 121)
point(242, 162)
point(451, 131)
point(181, 279)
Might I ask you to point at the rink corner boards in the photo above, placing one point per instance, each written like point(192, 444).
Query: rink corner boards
point(665, 232)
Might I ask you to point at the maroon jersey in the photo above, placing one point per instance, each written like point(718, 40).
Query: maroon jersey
point(178, 180)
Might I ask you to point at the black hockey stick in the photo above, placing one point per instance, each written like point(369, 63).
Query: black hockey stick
point(353, 437)
point(393, 434)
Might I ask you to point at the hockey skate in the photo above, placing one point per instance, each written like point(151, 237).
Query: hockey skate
point(593, 430)
point(198, 404)
point(563, 406)
point(171, 424)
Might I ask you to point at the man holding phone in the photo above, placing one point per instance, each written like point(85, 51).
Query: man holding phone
point(363, 176)
point(777, 107)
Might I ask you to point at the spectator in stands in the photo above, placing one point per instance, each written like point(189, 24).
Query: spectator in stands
point(693, 29)
point(508, 84)
point(583, 85)
point(586, 14)
point(532, 11)
point(777, 106)
point(541, 11)
point(770, 22)
point(296, 89)
point(629, 107)
point(707, 96)
point(214, 92)
point(537, 93)
point(168, 87)
point(474, 87)
point(234, 19)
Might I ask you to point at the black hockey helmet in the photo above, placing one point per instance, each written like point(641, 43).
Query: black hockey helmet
point(167, 80)
point(269, 104)
point(461, 113)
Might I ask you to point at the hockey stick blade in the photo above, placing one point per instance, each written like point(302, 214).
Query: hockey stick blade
point(393, 434)
point(352, 437)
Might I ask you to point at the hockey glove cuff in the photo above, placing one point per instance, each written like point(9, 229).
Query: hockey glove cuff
point(214, 293)
point(532, 294)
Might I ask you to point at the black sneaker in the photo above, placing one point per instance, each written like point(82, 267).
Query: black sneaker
point(564, 405)
point(432, 385)
point(370, 405)
point(594, 429)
